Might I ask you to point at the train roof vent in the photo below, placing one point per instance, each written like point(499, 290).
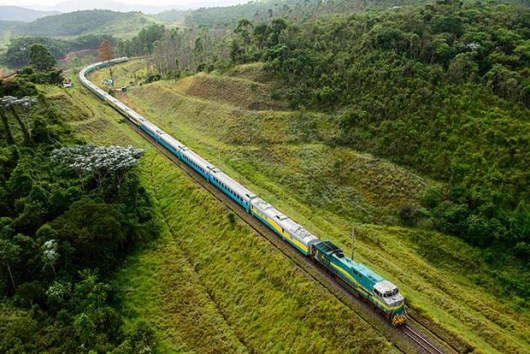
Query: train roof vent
point(263, 204)
point(280, 217)
point(303, 233)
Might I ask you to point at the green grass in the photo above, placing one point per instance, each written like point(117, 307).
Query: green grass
point(279, 156)
point(208, 285)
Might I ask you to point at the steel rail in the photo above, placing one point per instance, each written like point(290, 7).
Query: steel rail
point(317, 273)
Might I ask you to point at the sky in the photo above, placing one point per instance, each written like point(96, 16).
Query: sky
point(27, 3)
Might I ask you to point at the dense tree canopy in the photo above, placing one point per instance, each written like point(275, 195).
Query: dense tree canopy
point(443, 88)
point(63, 234)
point(41, 58)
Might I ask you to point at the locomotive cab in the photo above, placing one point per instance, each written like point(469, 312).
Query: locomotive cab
point(389, 294)
point(394, 303)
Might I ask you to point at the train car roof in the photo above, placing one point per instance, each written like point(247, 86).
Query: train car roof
point(233, 185)
point(196, 158)
point(168, 138)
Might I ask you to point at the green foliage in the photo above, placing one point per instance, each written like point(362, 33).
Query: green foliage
point(18, 52)
point(143, 43)
point(74, 23)
point(41, 58)
point(441, 88)
point(29, 74)
point(58, 238)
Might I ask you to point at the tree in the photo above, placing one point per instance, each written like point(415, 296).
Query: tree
point(29, 292)
point(50, 254)
point(95, 230)
point(106, 53)
point(99, 161)
point(41, 58)
point(105, 50)
point(8, 255)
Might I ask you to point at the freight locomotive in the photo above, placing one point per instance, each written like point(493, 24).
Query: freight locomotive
point(379, 292)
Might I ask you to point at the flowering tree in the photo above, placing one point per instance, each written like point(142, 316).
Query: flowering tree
point(99, 161)
point(50, 254)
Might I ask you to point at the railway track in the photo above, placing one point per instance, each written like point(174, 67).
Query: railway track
point(420, 343)
point(421, 340)
point(406, 339)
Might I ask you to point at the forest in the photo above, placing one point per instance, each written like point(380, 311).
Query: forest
point(441, 88)
point(71, 212)
point(444, 89)
point(18, 54)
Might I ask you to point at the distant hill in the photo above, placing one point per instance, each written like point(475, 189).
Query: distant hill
point(8, 25)
point(14, 13)
point(81, 5)
point(172, 16)
point(86, 22)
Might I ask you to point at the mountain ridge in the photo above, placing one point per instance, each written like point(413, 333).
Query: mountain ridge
point(23, 14)
point(85, 22)
point(75, 5)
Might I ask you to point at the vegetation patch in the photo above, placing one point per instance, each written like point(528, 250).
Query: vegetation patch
point(443, 278)
point(212, 276)
point(249, 95)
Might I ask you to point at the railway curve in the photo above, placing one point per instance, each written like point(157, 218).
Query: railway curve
point(407, 338)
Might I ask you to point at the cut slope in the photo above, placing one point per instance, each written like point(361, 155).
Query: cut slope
point(210, 285)
point(280, 156)
point(238, 92)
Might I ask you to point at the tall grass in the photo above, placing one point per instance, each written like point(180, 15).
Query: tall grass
point(288, 158)
point(212, 285)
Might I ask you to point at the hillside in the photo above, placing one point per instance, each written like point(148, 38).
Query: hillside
point(172, 16)
point(446, 94)
point(14, 13)
point(86, 22)
point(17, 54)
point(279, 155)
point(209, 275)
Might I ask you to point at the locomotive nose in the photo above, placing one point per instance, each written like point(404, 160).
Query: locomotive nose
point(395, 300)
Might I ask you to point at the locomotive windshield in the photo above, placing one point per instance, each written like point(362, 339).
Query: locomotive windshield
point(391, 292)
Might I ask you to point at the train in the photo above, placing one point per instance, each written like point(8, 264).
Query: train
point(379, 292)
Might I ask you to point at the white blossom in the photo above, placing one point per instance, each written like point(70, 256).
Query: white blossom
point(25, 102)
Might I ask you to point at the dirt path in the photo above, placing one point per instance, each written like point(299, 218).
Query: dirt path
point(8, 77)
point(70, 55)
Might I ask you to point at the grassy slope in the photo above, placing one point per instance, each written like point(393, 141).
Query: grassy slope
point(208, 285)
point(277, 154)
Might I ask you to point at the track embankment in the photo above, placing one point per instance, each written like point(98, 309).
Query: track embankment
point(408, 339)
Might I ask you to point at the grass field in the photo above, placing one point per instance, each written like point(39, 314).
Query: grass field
point(210, 285)
point(289, 158)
